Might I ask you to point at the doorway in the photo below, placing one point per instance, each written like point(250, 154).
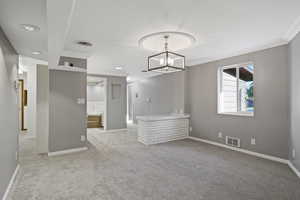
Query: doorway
point(129, 104)
point(96, 102)
point(23, 103)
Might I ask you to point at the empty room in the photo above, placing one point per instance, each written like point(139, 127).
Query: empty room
point(154, 100)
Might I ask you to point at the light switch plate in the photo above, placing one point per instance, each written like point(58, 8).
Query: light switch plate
point(220, 135)
point(253, 141)
point(82, 138)
point(294, 153)
point(16, 84)
point(81, 101)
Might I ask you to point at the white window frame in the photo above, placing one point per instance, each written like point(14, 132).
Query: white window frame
point(219, 90)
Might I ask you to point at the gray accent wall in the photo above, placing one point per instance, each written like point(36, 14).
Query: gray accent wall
point(294, 61)
point(116, 104)
point(68, 119)
point(270, 125)
point(9, 117)
point(42, 109)
point(163, 94)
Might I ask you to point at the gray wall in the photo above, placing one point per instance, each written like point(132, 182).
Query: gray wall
point(67, 121)
point(42, 108)
point(116, 108)
point(165, 92)
point(9, 117)
point(294, 61)
point(270, 125)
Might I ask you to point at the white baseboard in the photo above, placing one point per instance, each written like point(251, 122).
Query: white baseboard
point(116, 130)
point(294, 169)
point(12, 179)
point(68, 151)
point(260, 155)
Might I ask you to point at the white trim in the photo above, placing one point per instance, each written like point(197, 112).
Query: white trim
point(115, 130)
point(66, 68)
point(105, 102)
point(12, 179)
point(260, 155)
point(220, 88)
point(292, 31)
point(243, 114)
point(111, 130)
point(294, 169)
point(68, 151)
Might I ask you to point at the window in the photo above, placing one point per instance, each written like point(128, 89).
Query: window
point(235, 92)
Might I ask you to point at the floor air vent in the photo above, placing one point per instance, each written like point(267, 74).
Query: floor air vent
point(232, 141)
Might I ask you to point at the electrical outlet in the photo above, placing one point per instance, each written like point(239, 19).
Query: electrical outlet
point(82, 138)
point(294, 153)
point(253, 141)
point(80, 100)
point(16, 84)
point(220, 135)
point(191, 129)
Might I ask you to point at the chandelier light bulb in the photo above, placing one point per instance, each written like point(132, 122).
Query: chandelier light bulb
point(162, 62)
point(170, 61)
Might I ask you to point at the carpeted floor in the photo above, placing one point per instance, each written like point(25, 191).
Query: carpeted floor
point(117, 167)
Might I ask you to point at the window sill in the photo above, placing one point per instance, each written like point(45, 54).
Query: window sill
point(238, 114)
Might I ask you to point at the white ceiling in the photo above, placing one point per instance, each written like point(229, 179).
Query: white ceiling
point(13, 13)
point(221, 28)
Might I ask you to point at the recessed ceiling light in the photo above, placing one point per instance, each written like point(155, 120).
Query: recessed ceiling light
point(30, 27)
point(36, 53)
point(118, 68)
point(84, 43)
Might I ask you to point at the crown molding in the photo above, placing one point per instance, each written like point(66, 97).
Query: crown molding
point(292, 31)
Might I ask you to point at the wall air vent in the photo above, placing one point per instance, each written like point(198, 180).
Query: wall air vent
point(84, 43)
point(233, 141)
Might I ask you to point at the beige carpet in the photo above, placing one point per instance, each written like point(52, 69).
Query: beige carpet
point(117, 167)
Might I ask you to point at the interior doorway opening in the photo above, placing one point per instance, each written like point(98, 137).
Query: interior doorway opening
point(23, 103)
point(130, 104)
point(96, 102)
